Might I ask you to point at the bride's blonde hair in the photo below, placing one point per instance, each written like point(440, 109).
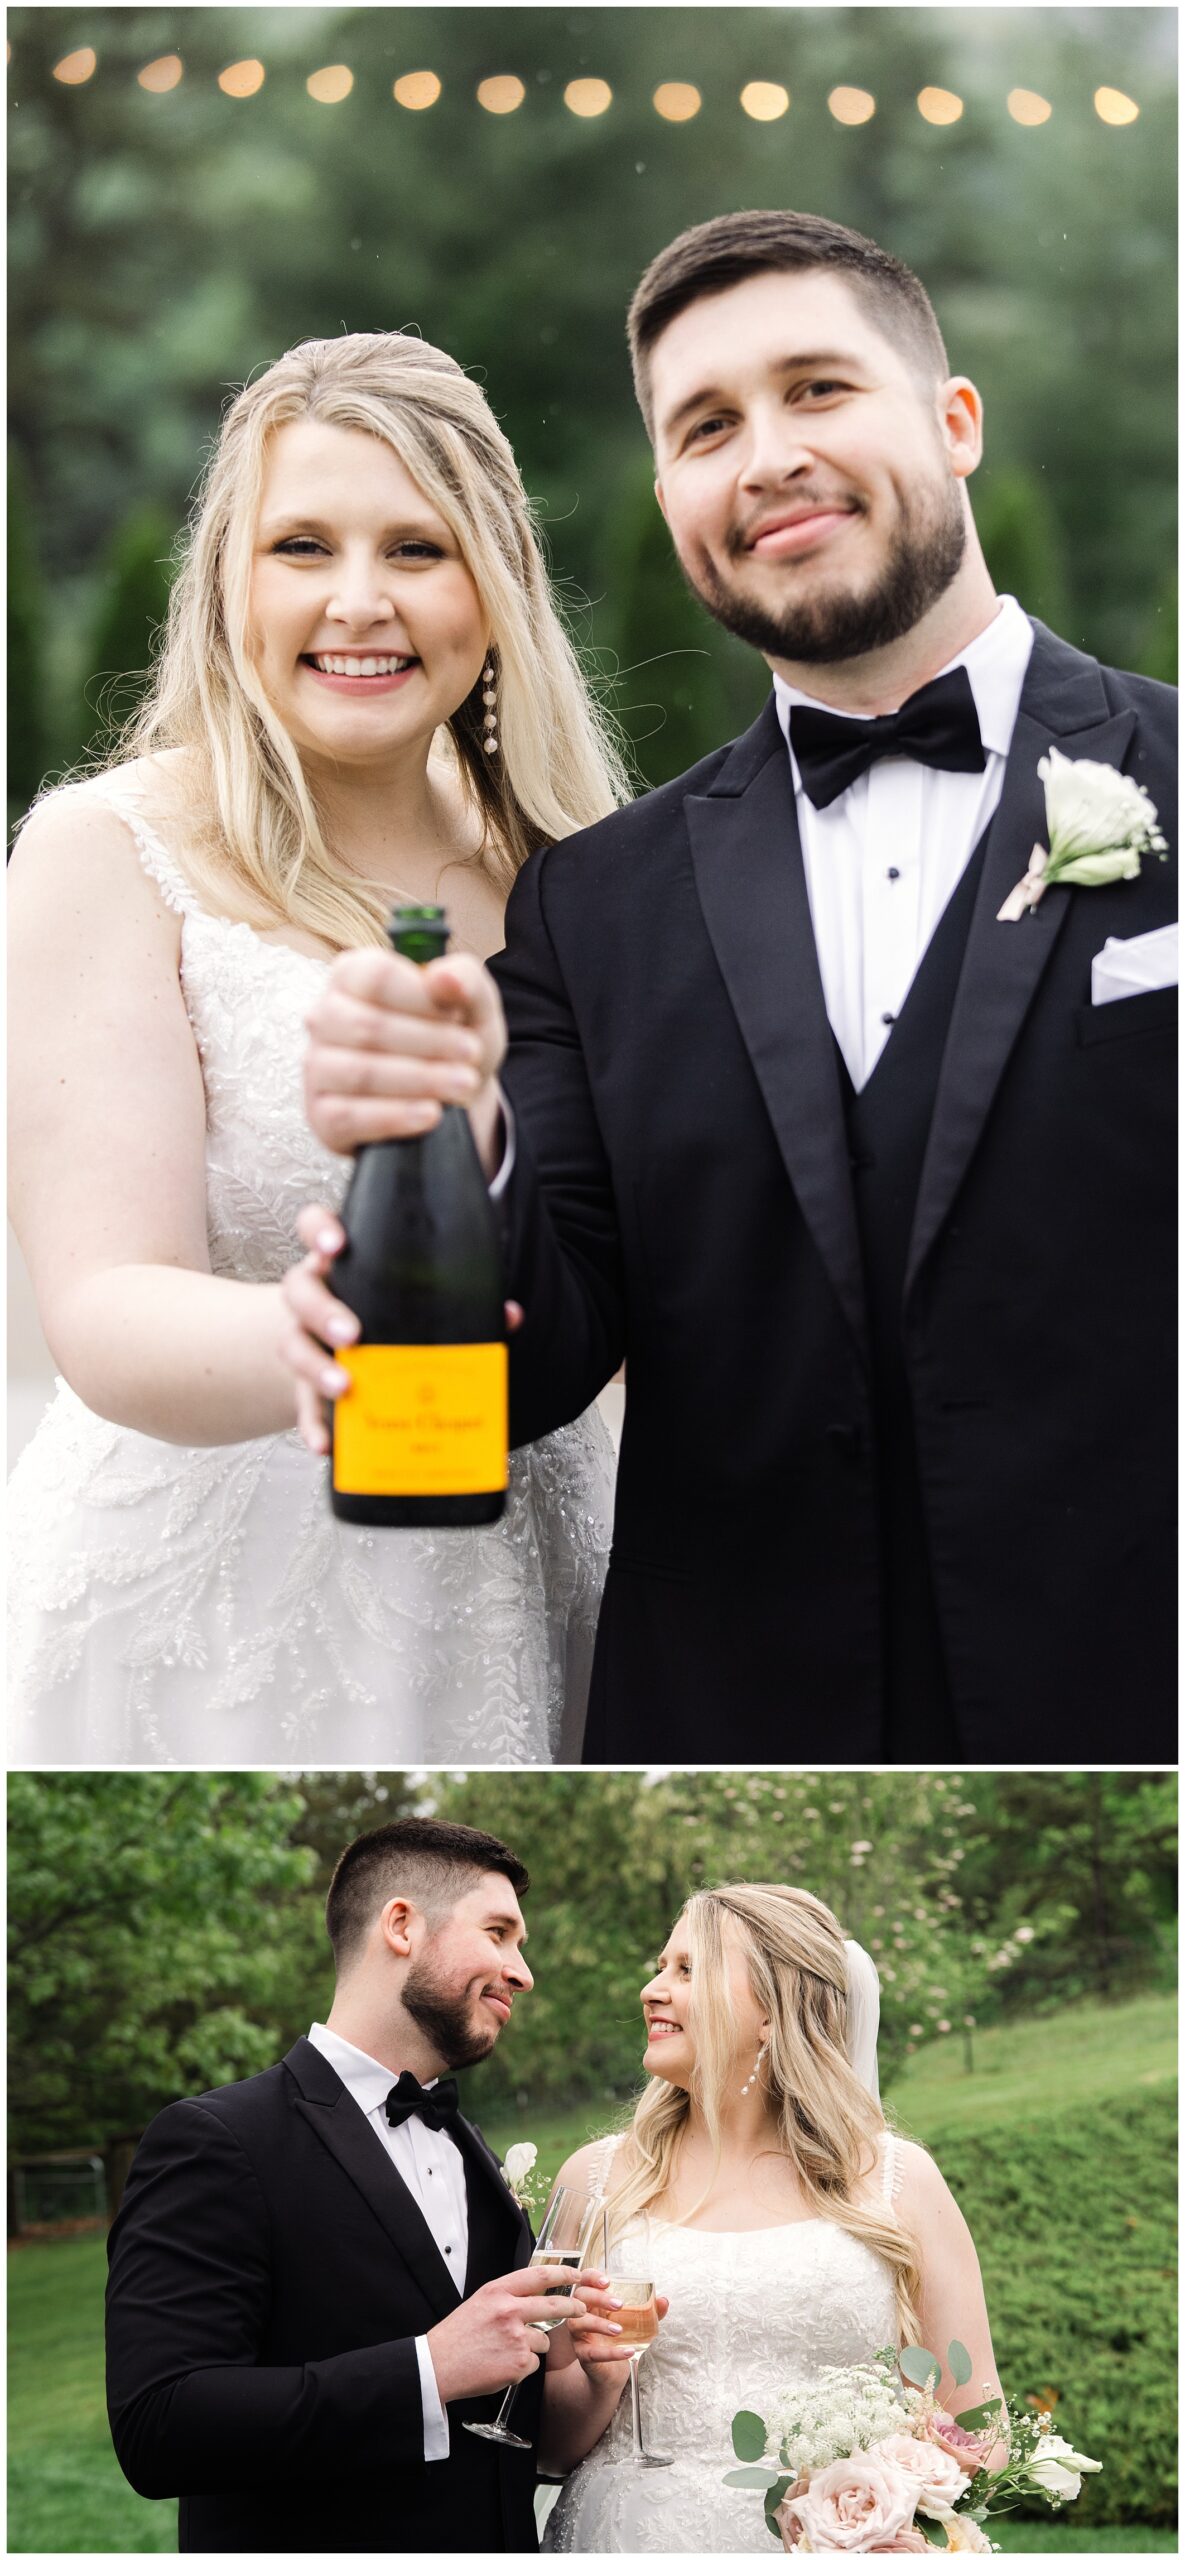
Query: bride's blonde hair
point(829, 2123)
point(254, 839)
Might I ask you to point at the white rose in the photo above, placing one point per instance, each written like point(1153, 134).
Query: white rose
point(1057, 2469)
point(1095, 814)
point(938, 2479)
point(519, 2162)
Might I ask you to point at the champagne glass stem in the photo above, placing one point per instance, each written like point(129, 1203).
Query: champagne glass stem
point(503, 2417)
point(636, 2405)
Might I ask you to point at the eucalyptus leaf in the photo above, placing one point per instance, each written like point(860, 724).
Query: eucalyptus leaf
point(932, 2532)
point(750, 2479)
point(774, 2495)
point(959, 2362)
point(974, 2419)
point(918, 2365)
point(748, 2436)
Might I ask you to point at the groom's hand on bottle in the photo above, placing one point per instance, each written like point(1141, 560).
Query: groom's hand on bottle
point(390, 1043)
point(488, 2342)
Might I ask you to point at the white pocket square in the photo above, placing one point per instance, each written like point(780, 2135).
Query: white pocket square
point(1131, 968)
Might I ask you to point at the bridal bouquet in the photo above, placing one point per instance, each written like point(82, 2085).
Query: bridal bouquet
point(868, 2460)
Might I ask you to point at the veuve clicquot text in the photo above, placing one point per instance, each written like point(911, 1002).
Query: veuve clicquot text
point(420, 1438)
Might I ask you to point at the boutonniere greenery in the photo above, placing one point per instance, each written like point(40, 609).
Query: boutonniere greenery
point(1100, 825)
point(518, 2169)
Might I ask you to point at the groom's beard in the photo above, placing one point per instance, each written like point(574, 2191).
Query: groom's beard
point(924, 556)
point(447, 2017)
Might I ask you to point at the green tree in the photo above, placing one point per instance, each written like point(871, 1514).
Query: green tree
point(1081, 1872)
point(28, 725)
point(133, 598)
point(147, 1920)
point(1021, 541)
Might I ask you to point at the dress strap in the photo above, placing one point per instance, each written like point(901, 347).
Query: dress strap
point(119, 791)
point(891, 2169)
point(601, 2165)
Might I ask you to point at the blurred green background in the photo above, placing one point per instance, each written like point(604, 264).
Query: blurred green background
point(167, 1935)
point(168, 238)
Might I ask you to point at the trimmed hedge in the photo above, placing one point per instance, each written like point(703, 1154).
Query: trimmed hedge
point(1075, 2224)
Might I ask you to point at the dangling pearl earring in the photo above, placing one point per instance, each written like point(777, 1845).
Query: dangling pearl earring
point(490, 699)
point(754, 2072)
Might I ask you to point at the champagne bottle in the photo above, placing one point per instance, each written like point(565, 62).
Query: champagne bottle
point(420, 1439)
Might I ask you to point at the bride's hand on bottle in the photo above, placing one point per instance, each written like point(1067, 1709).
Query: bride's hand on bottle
point(320, 1324)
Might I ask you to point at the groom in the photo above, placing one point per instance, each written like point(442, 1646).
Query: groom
point(317, 2275)
point(872, 1187)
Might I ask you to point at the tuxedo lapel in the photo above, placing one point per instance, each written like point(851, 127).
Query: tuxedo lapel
point(336, 2119)
point(752, 888)
point(1063, 703)
point(499, 2232)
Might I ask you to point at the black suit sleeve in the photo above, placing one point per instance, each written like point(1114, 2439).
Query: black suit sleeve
point(193, 2410)
point(562, 1244)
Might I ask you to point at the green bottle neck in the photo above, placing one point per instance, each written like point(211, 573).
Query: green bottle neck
point(418, 933)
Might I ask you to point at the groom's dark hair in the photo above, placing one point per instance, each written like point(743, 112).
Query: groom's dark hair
point(724, 252)
point(433, 1863)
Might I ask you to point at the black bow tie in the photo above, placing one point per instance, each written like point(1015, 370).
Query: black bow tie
point(436, 2106)
point(939, 725)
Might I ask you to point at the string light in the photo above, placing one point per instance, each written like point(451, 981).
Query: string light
point(501, 96)
point(852, 106)
point(677, 101)
point(1112, 107)
point(765, 101)
point(588, 97)
point(1026, 107)
point(74, 68)
point(416, 89)
point(330, 85)
point(162, 75)
point(939, 106)
point(241, 79)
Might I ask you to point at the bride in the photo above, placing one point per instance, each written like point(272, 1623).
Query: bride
point(365, 696)
point(760, 2189)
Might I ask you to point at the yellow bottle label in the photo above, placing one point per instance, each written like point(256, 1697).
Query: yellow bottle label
point(422, 1418)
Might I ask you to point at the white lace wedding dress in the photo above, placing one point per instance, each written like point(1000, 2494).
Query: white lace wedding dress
point(203, 1605)
point(752, 2313)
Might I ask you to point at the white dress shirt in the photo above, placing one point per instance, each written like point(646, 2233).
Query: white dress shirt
point(432, 2168)
point(883, 861)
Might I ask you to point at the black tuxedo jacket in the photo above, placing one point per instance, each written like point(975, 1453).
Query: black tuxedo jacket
point(270, 2272)
point(682, 1194)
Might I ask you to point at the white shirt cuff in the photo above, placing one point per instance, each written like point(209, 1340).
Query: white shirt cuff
point(435, 2421)
point(506, 1168)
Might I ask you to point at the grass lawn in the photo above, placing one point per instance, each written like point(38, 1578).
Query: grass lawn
point(66, 2492)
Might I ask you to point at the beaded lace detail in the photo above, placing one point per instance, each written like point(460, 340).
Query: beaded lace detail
point(203, 1605)
point(752, 2314)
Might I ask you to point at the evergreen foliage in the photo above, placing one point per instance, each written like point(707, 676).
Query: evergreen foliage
point(133, 596)
point(28, 721)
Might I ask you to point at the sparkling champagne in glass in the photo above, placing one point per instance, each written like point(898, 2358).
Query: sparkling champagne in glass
point(570, 2223)
point(638, 2322)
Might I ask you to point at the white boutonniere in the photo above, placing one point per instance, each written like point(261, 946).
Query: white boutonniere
point(1100, 824)
point(518, 2169)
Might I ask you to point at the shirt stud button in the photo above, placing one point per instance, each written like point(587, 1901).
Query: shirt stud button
point(892, 873)
point(888, 1019)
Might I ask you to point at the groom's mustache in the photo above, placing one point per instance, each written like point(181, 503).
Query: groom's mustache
point(805, 502)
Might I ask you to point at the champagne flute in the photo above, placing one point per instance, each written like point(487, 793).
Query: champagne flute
point(565, 2233)
point(637, 2319)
